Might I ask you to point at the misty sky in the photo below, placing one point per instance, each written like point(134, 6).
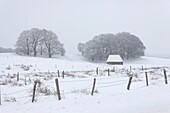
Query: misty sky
point(80, 20)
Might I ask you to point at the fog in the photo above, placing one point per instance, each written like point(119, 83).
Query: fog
point(77, 21)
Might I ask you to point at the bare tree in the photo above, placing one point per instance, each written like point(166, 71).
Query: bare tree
point(37, 40)
point(36, 37)
point(52, 43)
point(23, 42)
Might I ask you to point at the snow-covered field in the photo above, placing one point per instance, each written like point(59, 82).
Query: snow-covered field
point(110, 95)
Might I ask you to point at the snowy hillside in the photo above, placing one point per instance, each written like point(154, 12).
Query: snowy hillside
point(18, 74)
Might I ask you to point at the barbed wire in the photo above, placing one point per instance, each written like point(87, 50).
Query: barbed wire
point(112, 82)
point(76, 80)
point(63, 81)
point(109, 77)
point(16, 92)
point(110, 85)
point(80, 89)
point(50, 82)
point(22, 97)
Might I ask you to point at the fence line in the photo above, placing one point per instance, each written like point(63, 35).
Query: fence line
point(99, 85)
point(121, 82)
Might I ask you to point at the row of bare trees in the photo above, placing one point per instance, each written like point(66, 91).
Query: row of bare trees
point(39, 41)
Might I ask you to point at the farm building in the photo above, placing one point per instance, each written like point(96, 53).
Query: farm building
point(114, 60)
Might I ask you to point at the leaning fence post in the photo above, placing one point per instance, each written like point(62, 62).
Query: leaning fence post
point(166, 81)
point(58, 89)
point(146, 79)
point(33, 97)
point(94, 82)
point(108, 72)
point(17, 76)
point(129, 83)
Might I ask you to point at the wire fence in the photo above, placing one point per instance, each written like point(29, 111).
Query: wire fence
point(101, 83)
point(17, 92)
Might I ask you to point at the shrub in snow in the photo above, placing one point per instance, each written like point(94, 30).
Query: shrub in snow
point(11, 76)
point(96, 91)
point(132, 74)
point(113, 70)
point(8, 68)
point(10, 99)
point(154, 78)
point(3, 82)
point(15, 83)
point(46, 90)
point(82, 91)
point(43, 89)
point(70, 75)
point(9, 80)
point(49, 77)
point(25, 67)
point(88, 73)
point(85, 91)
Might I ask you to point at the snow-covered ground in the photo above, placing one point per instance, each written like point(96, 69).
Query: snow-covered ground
point(110, 95)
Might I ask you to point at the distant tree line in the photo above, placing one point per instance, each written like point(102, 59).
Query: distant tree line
point(39, 41)
point(124, 44)
point(6, 50)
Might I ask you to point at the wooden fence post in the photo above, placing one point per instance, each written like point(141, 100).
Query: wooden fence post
point(17, 76)
point(108, 72)
point(58, 89)
point(94, 83)
point(33, 97)
point(129, 83)
point(146, 79)
point(0, 94)
point(58, 73)
point(166, 81)
point(97, 70)
point(63, 74)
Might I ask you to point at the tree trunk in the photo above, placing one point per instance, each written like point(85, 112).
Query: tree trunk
point(41, 51)
point(28, 50)
point(49, 52)
point(35, 52)
point(49, 55)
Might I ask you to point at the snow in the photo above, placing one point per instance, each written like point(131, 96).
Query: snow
point(114, 58)
point(110, 96)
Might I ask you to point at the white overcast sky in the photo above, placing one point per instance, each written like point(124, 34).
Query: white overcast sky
point(80, 20)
